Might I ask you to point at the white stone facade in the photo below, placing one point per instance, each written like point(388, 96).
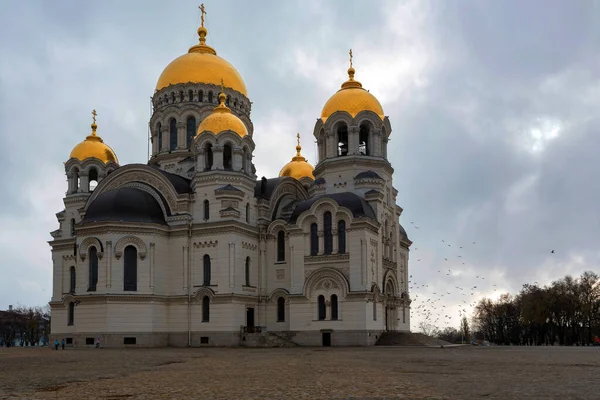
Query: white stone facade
point(154, 217)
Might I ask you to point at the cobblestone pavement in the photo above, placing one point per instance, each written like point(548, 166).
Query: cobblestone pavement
point(301, 373)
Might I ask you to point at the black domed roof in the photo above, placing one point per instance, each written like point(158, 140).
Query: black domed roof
point(125, 204)
point(368, 175)
point(356, 204)
point(402, 231)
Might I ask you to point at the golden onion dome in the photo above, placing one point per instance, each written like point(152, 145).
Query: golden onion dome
point(351, 98)
point(201, 65)
point(298, 168)
point(222, 119)
point(94, 147)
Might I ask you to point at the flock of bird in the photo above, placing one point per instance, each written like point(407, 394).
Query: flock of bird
point(445, 306)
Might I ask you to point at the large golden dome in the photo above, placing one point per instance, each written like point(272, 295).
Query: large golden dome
point(222, 119)
point(201, 65)
point(351, 98)
point(298, 168)
point(94, 147)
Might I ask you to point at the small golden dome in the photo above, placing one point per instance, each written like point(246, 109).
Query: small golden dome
point(298, 168)
point(201, 65)
point(222, 119)
point(93, 147)
point(351, 98)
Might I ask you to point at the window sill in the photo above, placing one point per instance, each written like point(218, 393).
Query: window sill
point(280, 262)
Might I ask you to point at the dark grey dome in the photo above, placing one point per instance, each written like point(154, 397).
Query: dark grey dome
point(125, 204)
point(368, 175)
point(402, 231)
point(319, 181)
point(356, 204)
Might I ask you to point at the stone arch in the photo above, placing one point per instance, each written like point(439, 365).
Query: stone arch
point(337, 117)
point(389, 278)
point(286, 188)
point(130, 240)
point(150, 190)
point(325, 277)
point(229, 137)
point(370, 117)
point(277, 293)
point(203, 291)
point(204, 138)
point(276, 226)
point(86, 244)
point(138, 173)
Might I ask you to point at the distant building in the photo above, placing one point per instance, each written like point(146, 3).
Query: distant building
point(192, 249)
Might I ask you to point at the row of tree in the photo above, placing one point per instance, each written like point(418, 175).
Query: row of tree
point(24, 326)
point(567, 312)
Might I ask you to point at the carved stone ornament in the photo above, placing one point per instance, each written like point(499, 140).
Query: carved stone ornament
point(127, 240)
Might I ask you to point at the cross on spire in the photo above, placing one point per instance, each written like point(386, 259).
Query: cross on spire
point(222, 86)
point(94, 113)
point(350, 58)
point(203, 11)
point(298, 136)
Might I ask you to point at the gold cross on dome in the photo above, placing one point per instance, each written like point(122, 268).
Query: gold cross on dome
point(201, 7)
point(222, 86)
point(350, 58)
point(94, 113)
point(298, 136)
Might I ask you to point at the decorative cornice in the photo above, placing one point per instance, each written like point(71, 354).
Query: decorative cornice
point(326, 258)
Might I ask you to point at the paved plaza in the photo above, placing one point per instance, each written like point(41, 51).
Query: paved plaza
point(302, 373)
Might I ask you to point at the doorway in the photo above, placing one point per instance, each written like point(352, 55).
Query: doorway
point(250, 319)
point(387, 326)
point(326, 339)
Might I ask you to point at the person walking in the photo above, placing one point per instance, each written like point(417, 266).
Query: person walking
point(98, 342)
point(55, 344)
point(63, 344)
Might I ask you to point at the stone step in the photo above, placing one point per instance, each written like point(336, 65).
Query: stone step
point(408, 339)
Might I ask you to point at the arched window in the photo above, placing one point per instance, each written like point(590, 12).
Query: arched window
point(227, 101)
point(190, 95)
point(75, 180)
point(172, 97)
point(190, 130)
point(247, 271)
point(235, 103)
point(72, 280)
point(321, 307)
point(206, 265)
point(130, 269)
point(280, 309)
point(334, 307)
point(227, 157)
point(72, 226)
point(181, 96)
point(210, 97)
point(314, 239)
point(281, 246)
point(245, 160)
point(342, 138)
point(208, 157)
point(247, 213)
point(92, 179)
point(159, 133)
point(341, 236)
point(172, 134)
point(200, 95)
point(93, 269)
point(205, 309)
point(374, 310)
point(363, 140)
point(206, 210)
point(71, 317)
point(327, 234)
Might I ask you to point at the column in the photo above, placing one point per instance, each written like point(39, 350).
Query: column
point(165, 138)
point(217, 157)
point(184, 266)
point(181, 139)
point(291, 255)
point(109, 259)
point(335, 248)
point(151, 261)
point(353, 140)
point(321, 243)
point(231, 264)
point(84, 182)
point(237, 162)
point(363, 261)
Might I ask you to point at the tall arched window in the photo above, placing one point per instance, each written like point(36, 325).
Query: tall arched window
point(247, 213)
point(314, 239)
point(190, 95)
point(280, 309)
point(71, 317)
point(334, 307)
point(130, 269)
point(200, 95)
point(281, 246)
point(93, 269)
point(72, 280)
point(374, 310)
point(247, 271)
point(210, 97)
point(172, 134)
point(206, 210)
point(341, 236)
point(206, 271)
point(321, 307)
point(205, 309)
point(363, 140)
point(92, 179)
point(72, 226)
point(327, 234)
point(342, 138)
point(208, 157)
point(159, 130)
point(190, 130)
point(227, 157)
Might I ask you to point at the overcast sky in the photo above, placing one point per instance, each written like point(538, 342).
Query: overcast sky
point(494, 108)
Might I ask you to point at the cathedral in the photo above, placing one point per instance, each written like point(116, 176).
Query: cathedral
point(193, 249)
